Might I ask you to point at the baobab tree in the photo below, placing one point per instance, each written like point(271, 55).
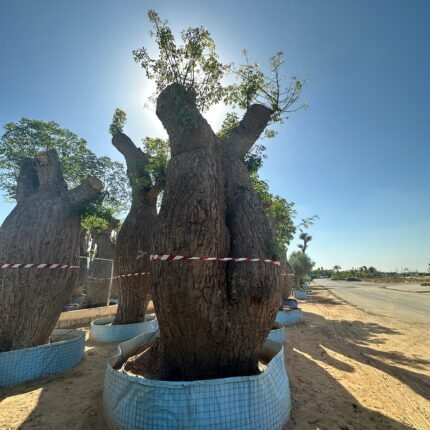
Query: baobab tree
point(213, 317)
point(44, 227)
point(146, 173)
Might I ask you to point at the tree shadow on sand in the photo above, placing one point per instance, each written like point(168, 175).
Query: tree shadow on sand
point(327, 342)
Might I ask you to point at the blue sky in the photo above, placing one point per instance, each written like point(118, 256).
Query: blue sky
point(358, 157)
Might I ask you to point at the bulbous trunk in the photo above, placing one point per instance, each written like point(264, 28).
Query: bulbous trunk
point(44, 227)
point(133, 241)
point(213, 317)
point(287, 280)
point(132, 256)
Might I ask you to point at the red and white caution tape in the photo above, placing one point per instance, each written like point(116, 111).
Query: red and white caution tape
point(167, 257)
point(37, 266)
point(126, 275)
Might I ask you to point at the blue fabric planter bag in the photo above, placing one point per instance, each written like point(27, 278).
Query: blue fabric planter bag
point(102, 329)
point(299, 294)
point(65, 351)
point(277, 335)
point(289, 317)
point(259, 402)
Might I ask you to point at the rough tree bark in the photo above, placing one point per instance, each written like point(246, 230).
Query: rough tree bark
point(133, 242)
point(213, 317)
point(287, 280)
point(43, 227)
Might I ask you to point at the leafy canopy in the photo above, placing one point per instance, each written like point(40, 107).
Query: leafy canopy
point(301, 264)
point(118, 122)
point(195, 65)
point(28, 137)
point(279, 212)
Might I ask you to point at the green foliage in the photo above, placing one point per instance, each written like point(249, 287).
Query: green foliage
point(158, 152)
point(425, 284)
point(231, 121)
point(360, 272)
point(301, 264)
point(273, 90)
point(320, 272)
point(193, 64)
point(118, 122)
point(152, 173)
point(116, 191)
point(94, 223)
point(280, 214)
point(28, 137)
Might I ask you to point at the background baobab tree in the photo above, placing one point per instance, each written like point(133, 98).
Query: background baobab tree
point(146, 173)
point(213, 317)
point(31, 300)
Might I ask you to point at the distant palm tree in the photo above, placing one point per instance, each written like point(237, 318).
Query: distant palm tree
point(336, 268)
point(306, 239)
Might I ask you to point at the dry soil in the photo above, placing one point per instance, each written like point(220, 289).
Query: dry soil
point(348, 370)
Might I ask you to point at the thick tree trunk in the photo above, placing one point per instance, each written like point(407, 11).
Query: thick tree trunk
point(287, 280)
point(213, 317)
point(133, 242)
point(44, 227)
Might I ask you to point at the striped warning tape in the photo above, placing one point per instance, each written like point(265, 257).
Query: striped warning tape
point(37, 266)
point(167, 257)
point(126, 275)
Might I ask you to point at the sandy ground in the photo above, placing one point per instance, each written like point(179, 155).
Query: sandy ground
point(348, 370)
point(351, 370)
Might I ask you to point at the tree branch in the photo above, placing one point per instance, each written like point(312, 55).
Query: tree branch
point(86, 191)
point(129, 150)
point(244, 136)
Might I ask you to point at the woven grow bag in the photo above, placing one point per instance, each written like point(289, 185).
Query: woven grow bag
point(299, 294)
point(102, 329)
point(277, 335)
point(27, 364)
point(242, 403)
point(289, 317)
